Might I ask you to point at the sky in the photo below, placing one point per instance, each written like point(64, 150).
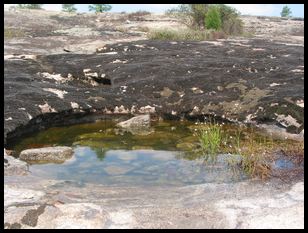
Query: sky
point(245, 9)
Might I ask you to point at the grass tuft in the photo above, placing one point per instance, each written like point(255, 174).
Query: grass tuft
point(10, 33)
point(210, 138)
point(185, 35)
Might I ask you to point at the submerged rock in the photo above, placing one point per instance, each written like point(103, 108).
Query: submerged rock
point(48, 154)
point(13, 167)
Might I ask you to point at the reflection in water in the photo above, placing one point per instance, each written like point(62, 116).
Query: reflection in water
point(136, 167)
point(168, 155)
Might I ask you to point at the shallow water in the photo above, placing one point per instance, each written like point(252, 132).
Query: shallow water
point(165, 154)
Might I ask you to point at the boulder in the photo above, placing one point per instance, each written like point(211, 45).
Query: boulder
point(47, 154)
point(136, 122)
point(14, 167)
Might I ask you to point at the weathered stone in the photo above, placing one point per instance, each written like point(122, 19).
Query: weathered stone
point(14, 195)
point(136, 122)
point(244, 204)
point(14, 166)
point(49, 154)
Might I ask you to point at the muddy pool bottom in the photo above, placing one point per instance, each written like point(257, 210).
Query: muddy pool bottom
point(165, 154)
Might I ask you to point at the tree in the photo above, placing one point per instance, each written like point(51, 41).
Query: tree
point(198, 12)
point(190, 14)
point(212, 18)
point(99, 8)
point(221, 17)
point(68, 8)
point(231, 23)
point(30, 6)
point(227, 12)
point(286, 12)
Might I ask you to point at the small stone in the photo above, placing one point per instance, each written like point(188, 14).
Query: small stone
point(220, 88)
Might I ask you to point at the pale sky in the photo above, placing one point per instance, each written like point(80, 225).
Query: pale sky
point(250, 9)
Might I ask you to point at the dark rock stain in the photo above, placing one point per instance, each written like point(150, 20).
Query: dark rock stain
point(31, 216)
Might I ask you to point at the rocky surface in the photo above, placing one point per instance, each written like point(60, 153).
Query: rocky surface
point(243, 79)
point(53, 76)
point(83, 33)
point(64, 204)
point(13, 166)
point(56, 154)
point(248, 81)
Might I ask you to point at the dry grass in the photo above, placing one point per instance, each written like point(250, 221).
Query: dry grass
point(185, 35)
point(10, 33)
point(257, 152)
point(137, 16)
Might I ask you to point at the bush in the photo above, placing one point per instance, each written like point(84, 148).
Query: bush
point(212, 18)
point(198, 11)
point(190, 14)
point(227, 12)
point(199, 15)
point(233, 26)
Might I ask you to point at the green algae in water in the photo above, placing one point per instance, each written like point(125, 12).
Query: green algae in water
point(104, 154)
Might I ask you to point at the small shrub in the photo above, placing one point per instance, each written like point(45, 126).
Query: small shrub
point(227, 12)
point(212, 18)
point(233, 26)
point(190, 14)
point(198, 11)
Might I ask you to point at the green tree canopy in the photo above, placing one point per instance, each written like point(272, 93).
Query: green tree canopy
point(68, 8)
point(286, 12)
point(99, 8)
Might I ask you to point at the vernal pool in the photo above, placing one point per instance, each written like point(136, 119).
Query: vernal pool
point(165, 154)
